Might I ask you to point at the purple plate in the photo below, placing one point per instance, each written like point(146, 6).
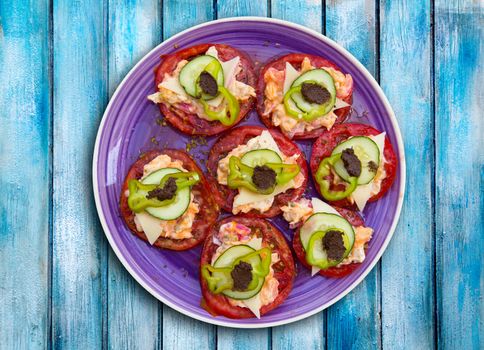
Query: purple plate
point(132, 124)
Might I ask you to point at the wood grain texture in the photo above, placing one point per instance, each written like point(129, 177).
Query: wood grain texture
point(24, 175)
point(407, 265)
point(230, 338)
point(183, 332)
point(459, 172)
point(134, 27)
point(234, 8)
point(308, 13)
point(178, 330)
point(182, 14)
point(79, 246)
point(309, 333)
point(354, 322)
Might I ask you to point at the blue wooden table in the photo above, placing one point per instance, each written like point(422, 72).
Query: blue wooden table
point(61, 286)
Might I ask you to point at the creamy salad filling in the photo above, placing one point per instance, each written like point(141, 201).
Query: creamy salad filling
point(171, 93)
point(278, 82)
point(246, 201)
point(180, 228)
point(233, 233)
point(299, 211)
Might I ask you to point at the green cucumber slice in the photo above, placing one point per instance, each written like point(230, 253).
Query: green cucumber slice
point(175, 209)
point(321, 77)
point(323, 222)
point(228, 257)
point(366, 150)
point(191, 72)
point(260, 157)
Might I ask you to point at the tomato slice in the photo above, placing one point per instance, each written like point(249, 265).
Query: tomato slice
point(284, 270)
point(190, 123)
point(295, 59)
point(324, 145)
point(202, 194)
point(239, 136)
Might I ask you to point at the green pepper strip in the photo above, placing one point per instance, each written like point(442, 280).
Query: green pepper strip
point(240, 175)
point(298, 114)
point(215, 275)
point(323, 171)
point(321, 263)
point(225, 118)
point(138, 191)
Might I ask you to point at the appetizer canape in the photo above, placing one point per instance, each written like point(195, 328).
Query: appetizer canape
point(205, 89)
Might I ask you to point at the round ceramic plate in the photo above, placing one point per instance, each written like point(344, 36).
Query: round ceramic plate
point(132, 125)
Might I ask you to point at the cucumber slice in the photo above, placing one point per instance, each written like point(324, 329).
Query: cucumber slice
point(191, 72)
point(260, 157)
point(366, 150)
point(228, 257)
point(323, 222)
point(175, 209)
point(321, 77)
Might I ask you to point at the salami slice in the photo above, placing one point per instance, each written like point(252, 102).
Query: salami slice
point(284, 270)
point(202, 195)
point(238, 136)
point(191, 123)
point(335, 271)
point(324, 145)
point(295, 60)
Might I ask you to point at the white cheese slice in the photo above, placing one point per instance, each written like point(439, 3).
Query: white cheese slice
point(151, 226)
point(254, 304)
point(172, 84)
point(255, 243)
point(266, 141)
point(212, 51)
point(289, 77)
point(340, 104)
point(321, 207)
point(364, 192)
point(246, 196)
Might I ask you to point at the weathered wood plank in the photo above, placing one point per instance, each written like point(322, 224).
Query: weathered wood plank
point(307, 13)
point(309, 333)
point(79, 247)
point(407, 266)
point(183, 332)
point(459, 173)
point(134, 27)
point(354, 322)
point(182, 14)
point(234, 8)
point(180, 331)
point(24, 176)
point(230, 338)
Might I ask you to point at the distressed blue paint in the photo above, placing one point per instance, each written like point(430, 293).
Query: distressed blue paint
point(182, 14)
point(354, 322)
point(407, 266)
point(133, 314)
point(24, 174)
point(95, 43)
point(459, 175)
point(79, 246)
